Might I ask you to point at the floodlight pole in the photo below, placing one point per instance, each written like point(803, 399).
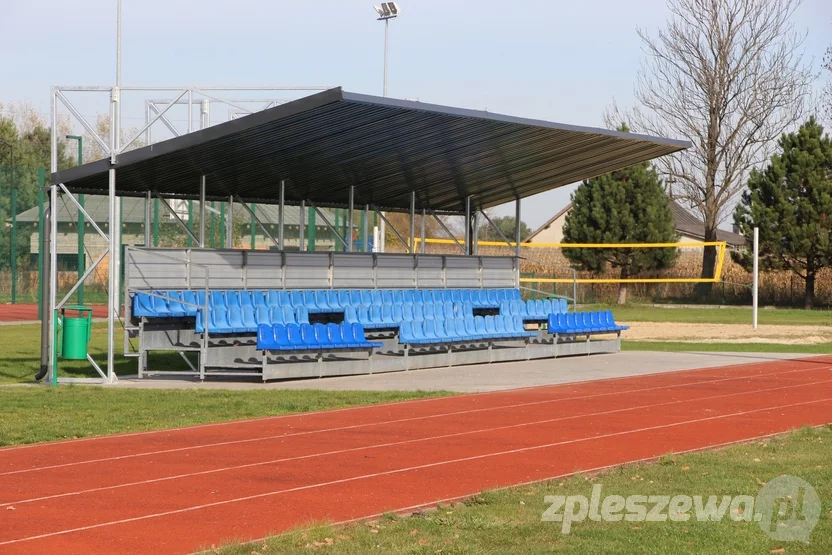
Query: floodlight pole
point(386, 35)
point(755, 291)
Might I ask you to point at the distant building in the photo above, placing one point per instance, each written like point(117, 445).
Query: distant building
point(689, 228)
point(132, 216)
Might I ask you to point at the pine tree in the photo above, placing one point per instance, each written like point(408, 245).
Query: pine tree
point(791, 202)
point(625, 206)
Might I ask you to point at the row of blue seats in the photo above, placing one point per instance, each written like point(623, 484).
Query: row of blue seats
point(186, 303)
point(538, 310)
point(584, 322)
point(246, 320)
point(462, 329)
point(293, 337)
point(390, 316)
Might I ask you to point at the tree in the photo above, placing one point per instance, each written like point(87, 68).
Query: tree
point(728, 76)
point(791, 202)
point(625, 206)
point(506, 226)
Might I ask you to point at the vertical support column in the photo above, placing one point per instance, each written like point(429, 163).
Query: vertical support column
point(211, 234)
point(365, 237)
point(148, 218)
point(229, 224)
point(468, 226)
point(190, 241)
point(46, 322)
point(82, 251)
point(311, 230)
point(41, 231)
point(202, 212)
point(253, 226)
point(517, 239)
point(422, 244)
point(156, 222)
point(475, 227)
point(204, 114)
point(350, 218)
point(280, 208)
point(302, 225)
point(13, 242)
point(53, 279)
point(112, 271)
point(412, 238)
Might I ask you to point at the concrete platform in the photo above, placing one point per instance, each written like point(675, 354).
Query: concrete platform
point(485, 377)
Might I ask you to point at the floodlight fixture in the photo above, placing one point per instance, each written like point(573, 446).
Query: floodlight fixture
point(387, 10)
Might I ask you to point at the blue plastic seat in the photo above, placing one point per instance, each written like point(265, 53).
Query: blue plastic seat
point(160, 305)
point(258, 298)
point(448, 309)
point(406, 332)
point(429, 328)
point(276, 315)
point(200, 298)
point(265, 338)
point(333, 332)
point(438, 310)
point(376, 295)
point(366, 297)
point(344, 298)
point(398, 316)
point(189, 298)
point(355, 297)
point(471, 329)
point(347, 337)
point(288, 314)
point(175, 304)
point(515, 295)
point(500, 295)
point(246, 299)
point(479, 327)
point(500, 327)
point(295, 341)
point(376, 318)
point(321, 336)
point(530, 310)
point(332, 300)
point(505, 307)
point(564, 306)
point(297, 298)
point(302, 315)
point(440, 331)
point(364, 314)
point(309, 300)
point(547, 308)
point(427, 296)
point(465, 295)
point(407, 296)
point(586, 318)
point(232, 298)
point(555, 323)
point(428, 312)
point(407, 312)
point(418, 327)
point(235, 319)
point(249, 319)
point(262, 316)
point(321, 301)
point(273, 297)
point(307, 335)
point(491, 295)
point(417, 296)
point(456, 296)
point(361, 339)
point(398, 296)
point(350, 314)
point(387, 314)
point(386, 296)
point(490, 327)
point(219, 321)
point(281, 336)
point(216, 299)
point(467, 308)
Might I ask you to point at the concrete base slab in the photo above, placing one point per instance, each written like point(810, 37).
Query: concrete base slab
point(485, 377)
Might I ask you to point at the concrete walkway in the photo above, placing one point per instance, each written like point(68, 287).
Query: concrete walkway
point(485, 377)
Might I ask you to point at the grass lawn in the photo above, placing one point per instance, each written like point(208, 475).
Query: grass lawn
point(684, 346)
point(34, 414)
point(784, 316)
point(509, 521)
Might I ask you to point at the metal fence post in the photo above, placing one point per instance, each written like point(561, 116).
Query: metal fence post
point(41, 200)
point(13, 243)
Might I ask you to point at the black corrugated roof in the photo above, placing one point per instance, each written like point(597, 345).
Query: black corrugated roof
point(325, 143)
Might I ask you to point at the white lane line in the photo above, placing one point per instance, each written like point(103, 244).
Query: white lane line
point(397, 421)
point(403, 442)
point(406, 469)
point(681, 373)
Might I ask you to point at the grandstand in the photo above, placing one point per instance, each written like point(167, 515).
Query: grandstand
point(285, 314)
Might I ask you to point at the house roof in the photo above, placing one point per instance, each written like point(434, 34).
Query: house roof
point(326, 144)
point(133, 212)
point(686, 224)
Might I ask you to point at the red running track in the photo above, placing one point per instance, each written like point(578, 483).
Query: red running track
point(176, 491)
point(29, 312)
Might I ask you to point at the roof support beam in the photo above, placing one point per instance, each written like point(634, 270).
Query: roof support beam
point(393, 229)
point(448, 231)
point(329, 225)
point(260, 223)
point(84, 212)
point(176, 217)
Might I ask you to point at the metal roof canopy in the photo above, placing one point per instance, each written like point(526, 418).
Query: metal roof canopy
point(323, 144)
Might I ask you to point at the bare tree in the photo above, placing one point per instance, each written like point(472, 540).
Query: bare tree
point(727, 75)
point(826, 100)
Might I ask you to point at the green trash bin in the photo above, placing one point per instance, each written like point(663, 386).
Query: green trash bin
point(76, 332)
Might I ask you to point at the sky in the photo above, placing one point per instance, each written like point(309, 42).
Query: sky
point(556, 60)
